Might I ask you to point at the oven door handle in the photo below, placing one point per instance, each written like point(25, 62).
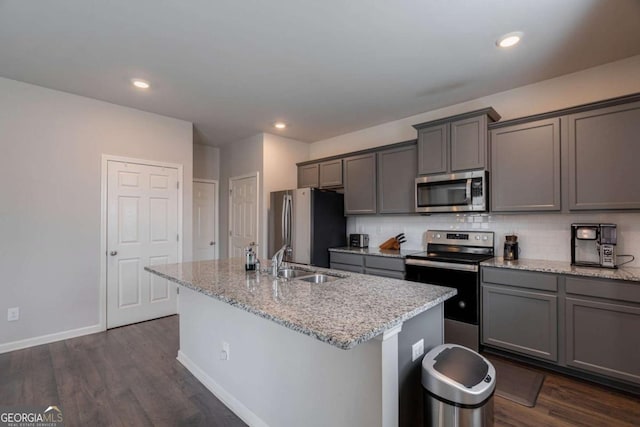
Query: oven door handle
point(440, 264)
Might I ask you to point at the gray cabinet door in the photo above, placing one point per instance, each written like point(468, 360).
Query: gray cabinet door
point(521, 321)
point(602, 337)
point(397, 170)
point(433, 150)
point(331, 174)
point(525, 167)
point(469, 144)
point(360, 184)
point(347, 267)
point(308, 176)
point(603, 158)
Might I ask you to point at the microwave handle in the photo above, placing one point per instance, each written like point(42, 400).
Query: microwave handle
point(468, 198)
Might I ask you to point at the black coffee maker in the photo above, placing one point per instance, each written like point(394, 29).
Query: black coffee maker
point(511, 247)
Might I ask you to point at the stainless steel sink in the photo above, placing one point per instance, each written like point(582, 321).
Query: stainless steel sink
point(318, 278)
point(290, 273)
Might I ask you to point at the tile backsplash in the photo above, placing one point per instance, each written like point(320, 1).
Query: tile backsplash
point(540, 236)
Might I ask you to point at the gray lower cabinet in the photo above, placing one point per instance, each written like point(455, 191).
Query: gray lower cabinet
point(603, 158)
point(331, 174)
point(525, 167)
point(368, 264)
point(397, 169)
point(360, 184)
point(602, 324)
point(520, 312)
point(308, 176)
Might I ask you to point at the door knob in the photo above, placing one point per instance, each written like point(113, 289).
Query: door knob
point(212, 243)
point(113, 253)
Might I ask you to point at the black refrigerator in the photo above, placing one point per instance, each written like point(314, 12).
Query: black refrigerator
point(310, 221)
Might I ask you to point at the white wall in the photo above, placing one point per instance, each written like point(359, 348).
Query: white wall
point(50, 170)
point(236, 159)
point(594, 84)
point(206, 162)
point(541, 236)
point(280, 172)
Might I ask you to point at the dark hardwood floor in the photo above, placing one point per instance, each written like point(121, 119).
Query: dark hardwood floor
point(127, 376)
point(130, 377)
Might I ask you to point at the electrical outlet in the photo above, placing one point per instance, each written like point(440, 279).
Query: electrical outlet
point(225, 353)
point(417, 350)
point(13, 314)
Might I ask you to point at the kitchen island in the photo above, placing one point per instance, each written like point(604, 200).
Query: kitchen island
point(288, 353)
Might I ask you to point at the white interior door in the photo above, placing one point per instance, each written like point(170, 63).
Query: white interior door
point(243, 214)
point(142, 229)
point(205, 220)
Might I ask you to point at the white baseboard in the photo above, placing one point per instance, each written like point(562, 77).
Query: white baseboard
point(46, 339)
point(218, 391)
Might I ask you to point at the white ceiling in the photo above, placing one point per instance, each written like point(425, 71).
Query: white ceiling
point(326, 67)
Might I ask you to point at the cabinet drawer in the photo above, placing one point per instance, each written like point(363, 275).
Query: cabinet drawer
point(342, 258)
point(385, 273)
point(521, 279)
point(347, 267)
point(610, 289)
point(385, 263)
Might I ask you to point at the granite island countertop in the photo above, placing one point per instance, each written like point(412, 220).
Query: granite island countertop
point(563, 267)
point(376, 251)
point(343, 313)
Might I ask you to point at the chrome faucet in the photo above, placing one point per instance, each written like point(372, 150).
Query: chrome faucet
point(276, 261)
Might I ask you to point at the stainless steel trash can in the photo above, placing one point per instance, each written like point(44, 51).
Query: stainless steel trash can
point(458, 387)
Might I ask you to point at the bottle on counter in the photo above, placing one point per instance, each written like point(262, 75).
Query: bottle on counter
point(250, 257)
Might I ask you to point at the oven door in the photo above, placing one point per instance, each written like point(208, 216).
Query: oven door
point(464, 277)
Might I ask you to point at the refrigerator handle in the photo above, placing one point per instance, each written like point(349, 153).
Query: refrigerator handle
point(289, 219)
point(283, 219)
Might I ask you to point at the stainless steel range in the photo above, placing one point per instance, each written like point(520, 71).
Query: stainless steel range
point(453, 259)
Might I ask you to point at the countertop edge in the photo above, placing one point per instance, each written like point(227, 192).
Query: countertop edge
point(343, 345)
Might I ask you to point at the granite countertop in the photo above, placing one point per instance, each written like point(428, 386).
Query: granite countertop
point(343, 313)
point(563, 267)
point(376, 251)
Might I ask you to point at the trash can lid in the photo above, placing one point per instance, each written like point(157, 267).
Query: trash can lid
point(458, 374)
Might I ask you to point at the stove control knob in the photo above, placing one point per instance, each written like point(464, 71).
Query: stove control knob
point(485, 238)
point(477, 237)
point(438, 236)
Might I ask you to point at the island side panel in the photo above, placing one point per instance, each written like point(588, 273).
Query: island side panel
point(428, 326)
point(276, 376)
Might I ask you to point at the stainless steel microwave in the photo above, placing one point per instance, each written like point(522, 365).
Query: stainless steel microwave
point(458, 192)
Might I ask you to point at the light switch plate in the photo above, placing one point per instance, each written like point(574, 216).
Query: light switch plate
point(13, 314)
point(417, 350)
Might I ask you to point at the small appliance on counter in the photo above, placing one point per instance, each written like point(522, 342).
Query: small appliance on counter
point(511, 249)
point(251, 257)
point(359, 240)
point(594, 245)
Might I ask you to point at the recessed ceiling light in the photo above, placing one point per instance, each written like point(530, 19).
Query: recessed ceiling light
point(510, 39)
point(140, 84)
point(279, 125)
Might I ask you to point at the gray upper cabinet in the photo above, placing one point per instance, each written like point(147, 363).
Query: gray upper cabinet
point(525, 167)
point(360, 184)
point(308, 176)
point(331, 174)
point(603, 158)
point(469, 144)
point(454, 144)
point(433, 150)
point(396, 180)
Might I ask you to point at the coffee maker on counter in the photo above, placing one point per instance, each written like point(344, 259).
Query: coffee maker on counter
point(594, 245)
